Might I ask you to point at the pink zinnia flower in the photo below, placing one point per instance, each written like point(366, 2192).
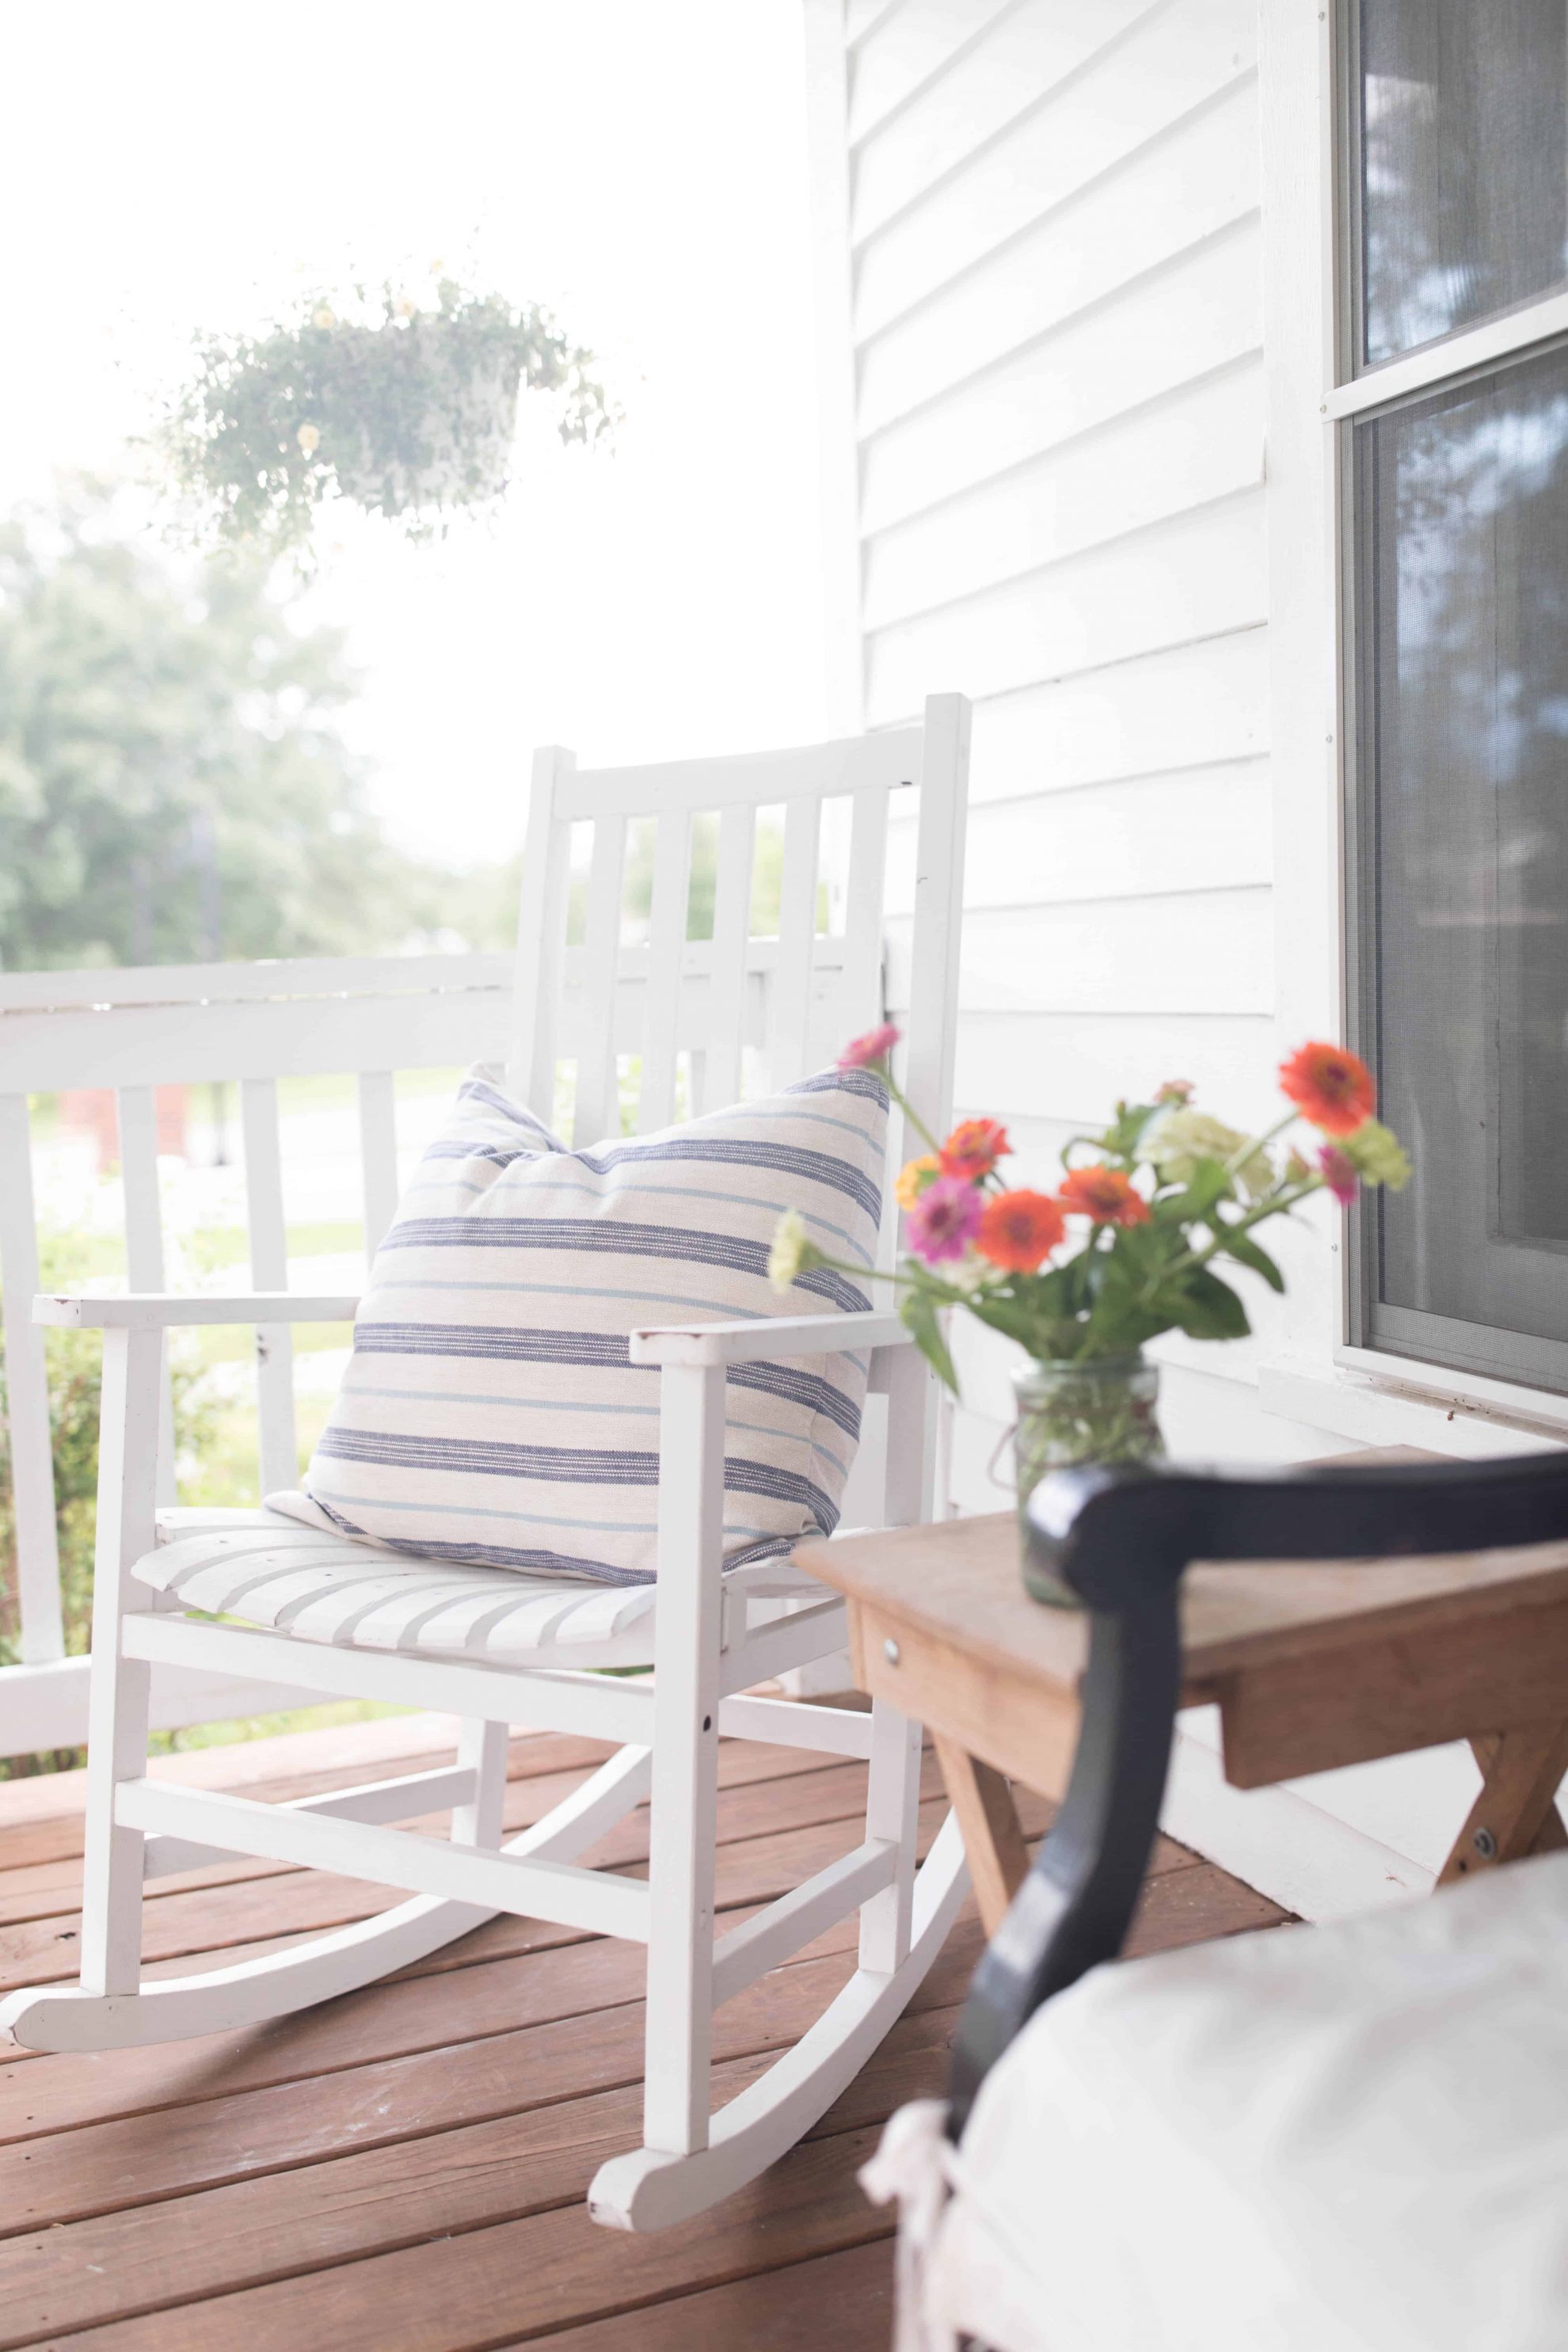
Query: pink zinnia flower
point(1340, 1173)
point(944, 1220)
point(973, 1148)
point(864, 1052)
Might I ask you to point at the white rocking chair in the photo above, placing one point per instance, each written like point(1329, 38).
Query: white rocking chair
point(799, 997)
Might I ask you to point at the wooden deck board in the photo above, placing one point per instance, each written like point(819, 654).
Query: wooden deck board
point(404, 2168)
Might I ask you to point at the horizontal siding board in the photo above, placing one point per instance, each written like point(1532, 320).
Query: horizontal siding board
point(1204, 827)
point(1199, 312)
point(1170, 61)
point(1201, 575)
point(1075, 1067)
point(1022, 54)
point(1195, 705)
point(898, 51)
point(1199, 179)
point(1196, 445)
point(1202, 952)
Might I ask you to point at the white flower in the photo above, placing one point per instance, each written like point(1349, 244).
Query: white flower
point(972, 1273)
point(1179, 1139)
point(792, 1251)
point(1379, 1155)
point(308, 436)
point(322, 316)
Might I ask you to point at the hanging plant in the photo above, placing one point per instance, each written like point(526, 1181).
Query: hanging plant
point(408, 410)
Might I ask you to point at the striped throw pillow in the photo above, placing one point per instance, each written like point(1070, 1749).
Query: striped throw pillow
point(489, 1412)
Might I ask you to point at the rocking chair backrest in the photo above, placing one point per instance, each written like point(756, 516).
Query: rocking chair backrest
point(748, 1013)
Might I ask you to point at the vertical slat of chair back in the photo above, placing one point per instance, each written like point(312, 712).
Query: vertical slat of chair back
point(540, 935)
point(864, 899)
point(790, 1011)
point(269, 1271)
point(728, 981)
point(378, 1154)
point(28, 1397)
point(598, 1102)
point(666, 968)
point(136, 1112)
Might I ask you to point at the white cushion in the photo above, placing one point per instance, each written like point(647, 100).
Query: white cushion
point(321, 1586)
point(490, 1413)
point(1350, 2138)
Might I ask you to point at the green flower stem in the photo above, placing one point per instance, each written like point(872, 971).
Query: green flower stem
point(1254, 1143)
point(1278, 1204)
point(950, 1296)
point(884, 1071)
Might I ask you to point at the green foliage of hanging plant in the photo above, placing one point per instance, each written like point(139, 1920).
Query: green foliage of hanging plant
point(407, 409)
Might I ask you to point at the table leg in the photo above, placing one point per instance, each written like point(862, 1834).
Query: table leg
point(1515, 1812)
point(1552, 1836)
point(993, 1839)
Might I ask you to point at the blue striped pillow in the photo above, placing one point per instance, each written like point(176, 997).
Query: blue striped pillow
point(490, 1412)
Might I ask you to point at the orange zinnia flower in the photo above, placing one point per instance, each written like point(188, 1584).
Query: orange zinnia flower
point(1104, 1193)
point(973, 1148)
point(1329, 1086)
point(1018, 1229)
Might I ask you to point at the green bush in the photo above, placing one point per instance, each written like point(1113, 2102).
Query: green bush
point(75, 1367)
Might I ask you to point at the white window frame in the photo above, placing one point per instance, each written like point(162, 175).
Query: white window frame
point(1318, 1376)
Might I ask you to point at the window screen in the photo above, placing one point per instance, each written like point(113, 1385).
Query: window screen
point(1461, 626)
point(1462, 113)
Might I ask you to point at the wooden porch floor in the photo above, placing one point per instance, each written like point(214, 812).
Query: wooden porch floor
point(403, 2170)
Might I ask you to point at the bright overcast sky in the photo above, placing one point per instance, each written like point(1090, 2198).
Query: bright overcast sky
point(639, 165)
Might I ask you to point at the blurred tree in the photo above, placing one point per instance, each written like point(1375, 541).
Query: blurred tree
point(172, 786)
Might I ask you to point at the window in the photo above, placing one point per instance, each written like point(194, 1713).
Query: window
point(1456, 472)
point(1462, 195)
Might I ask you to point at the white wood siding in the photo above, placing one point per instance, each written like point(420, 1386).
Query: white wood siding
point(1057, 348)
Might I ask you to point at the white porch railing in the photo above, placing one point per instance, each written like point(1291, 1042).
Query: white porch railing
point(133, 1031)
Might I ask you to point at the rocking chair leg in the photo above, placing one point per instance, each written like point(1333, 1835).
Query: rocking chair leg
point(685, 1761)
point(892, 1800)
point(113, 1858)
point(118, 1707)
point(482, 1749)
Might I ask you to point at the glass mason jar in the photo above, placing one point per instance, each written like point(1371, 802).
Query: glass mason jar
point(1088, 1409)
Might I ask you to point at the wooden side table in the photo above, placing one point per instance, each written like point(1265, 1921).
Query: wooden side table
point(1311, 1665)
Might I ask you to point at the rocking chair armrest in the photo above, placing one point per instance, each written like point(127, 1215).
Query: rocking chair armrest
point(160, 1310)
point(763, 1339)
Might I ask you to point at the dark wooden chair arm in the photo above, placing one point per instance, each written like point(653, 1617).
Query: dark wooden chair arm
point(1120, 1539)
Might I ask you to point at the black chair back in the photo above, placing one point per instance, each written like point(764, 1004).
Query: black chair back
point(1122, 1538)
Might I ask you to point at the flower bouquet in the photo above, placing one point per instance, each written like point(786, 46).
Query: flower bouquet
point(1131, 1242)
